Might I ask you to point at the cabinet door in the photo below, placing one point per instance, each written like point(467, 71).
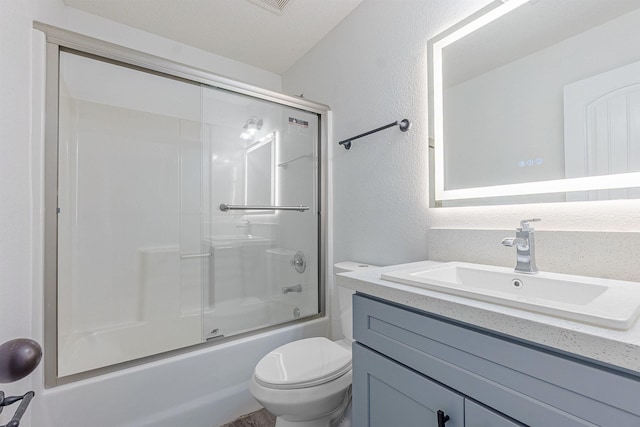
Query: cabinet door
point(476, 415)
point(387, 394)
point(534, 386)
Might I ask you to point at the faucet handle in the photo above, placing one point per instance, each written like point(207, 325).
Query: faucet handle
point(524, 224)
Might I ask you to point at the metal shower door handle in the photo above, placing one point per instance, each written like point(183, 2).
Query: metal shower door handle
point(225, 207)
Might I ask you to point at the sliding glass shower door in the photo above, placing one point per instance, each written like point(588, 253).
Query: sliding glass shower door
point(264, 222)
point(129, 210)
point(185, 214)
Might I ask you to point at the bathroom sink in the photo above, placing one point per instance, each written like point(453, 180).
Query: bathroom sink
point(602, 302)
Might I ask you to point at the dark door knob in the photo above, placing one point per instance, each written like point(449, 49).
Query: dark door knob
point(18, 358)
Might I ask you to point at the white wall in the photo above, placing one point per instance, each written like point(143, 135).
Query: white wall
point(372, 69)
point(21, 97)
point(16, 207)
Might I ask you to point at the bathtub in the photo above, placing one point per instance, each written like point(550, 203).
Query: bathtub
point(86, 351)
point(203, 388)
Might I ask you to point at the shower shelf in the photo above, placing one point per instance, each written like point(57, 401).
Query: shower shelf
point(286, 163)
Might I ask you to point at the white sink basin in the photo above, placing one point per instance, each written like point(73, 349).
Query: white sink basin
point(603, 302)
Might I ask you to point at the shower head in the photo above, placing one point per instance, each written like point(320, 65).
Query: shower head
point(251, 128)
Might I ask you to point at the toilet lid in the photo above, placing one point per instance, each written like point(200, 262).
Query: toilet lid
point(303, 363)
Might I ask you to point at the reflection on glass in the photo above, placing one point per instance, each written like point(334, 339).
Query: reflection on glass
point(145, 264)
point(252, 250)
point(129, 200)
point(259, 172)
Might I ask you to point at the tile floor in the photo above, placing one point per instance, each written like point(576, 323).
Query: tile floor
point(263, 418)
point(260, 418)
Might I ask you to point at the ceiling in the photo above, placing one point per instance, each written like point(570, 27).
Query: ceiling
point(237, 29)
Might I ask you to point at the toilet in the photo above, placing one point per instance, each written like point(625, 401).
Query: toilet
point(307, 383)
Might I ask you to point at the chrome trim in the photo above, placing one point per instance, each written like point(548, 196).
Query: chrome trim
point(299, 262)
point(525, 245)
point(322, 184)
point(225, 207)
point(82, 43)
point(50, 178)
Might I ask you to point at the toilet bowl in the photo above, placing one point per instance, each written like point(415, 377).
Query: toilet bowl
point(307, 383)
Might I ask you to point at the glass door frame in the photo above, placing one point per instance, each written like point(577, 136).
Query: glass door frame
point(58, 40)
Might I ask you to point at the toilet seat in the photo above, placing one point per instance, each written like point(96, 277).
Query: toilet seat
point(302, 364)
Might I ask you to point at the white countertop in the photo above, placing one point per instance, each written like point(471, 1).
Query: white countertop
point(614, 347)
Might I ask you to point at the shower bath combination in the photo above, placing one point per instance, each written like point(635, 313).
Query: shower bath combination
point(179, 207)
point(196, 233)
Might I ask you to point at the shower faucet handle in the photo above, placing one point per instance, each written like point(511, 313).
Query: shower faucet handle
point(299, 262)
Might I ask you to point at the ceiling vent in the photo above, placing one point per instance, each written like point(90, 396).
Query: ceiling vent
point(275, 6)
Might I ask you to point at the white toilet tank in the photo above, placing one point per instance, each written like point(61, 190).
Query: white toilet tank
point(344, 296)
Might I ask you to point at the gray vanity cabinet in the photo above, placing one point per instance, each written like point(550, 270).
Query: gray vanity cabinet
point(408, 365)
point(394, 395)
point(477, 415)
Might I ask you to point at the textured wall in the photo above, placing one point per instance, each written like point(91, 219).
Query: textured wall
point(372, 69)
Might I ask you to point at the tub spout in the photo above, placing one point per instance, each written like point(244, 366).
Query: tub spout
point(296, 288)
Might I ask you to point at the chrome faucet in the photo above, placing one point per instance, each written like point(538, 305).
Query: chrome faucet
point(525, 247)
point(296, 288)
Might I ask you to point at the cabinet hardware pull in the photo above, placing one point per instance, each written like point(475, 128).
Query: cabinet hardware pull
point(442, 418)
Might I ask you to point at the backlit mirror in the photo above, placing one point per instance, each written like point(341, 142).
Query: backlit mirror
point(537, 101)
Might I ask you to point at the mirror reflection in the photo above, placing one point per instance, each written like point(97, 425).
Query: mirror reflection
point(260, 173)
point(535, 97)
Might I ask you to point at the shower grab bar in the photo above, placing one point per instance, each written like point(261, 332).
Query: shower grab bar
point(195, 255)
point(225, 207)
